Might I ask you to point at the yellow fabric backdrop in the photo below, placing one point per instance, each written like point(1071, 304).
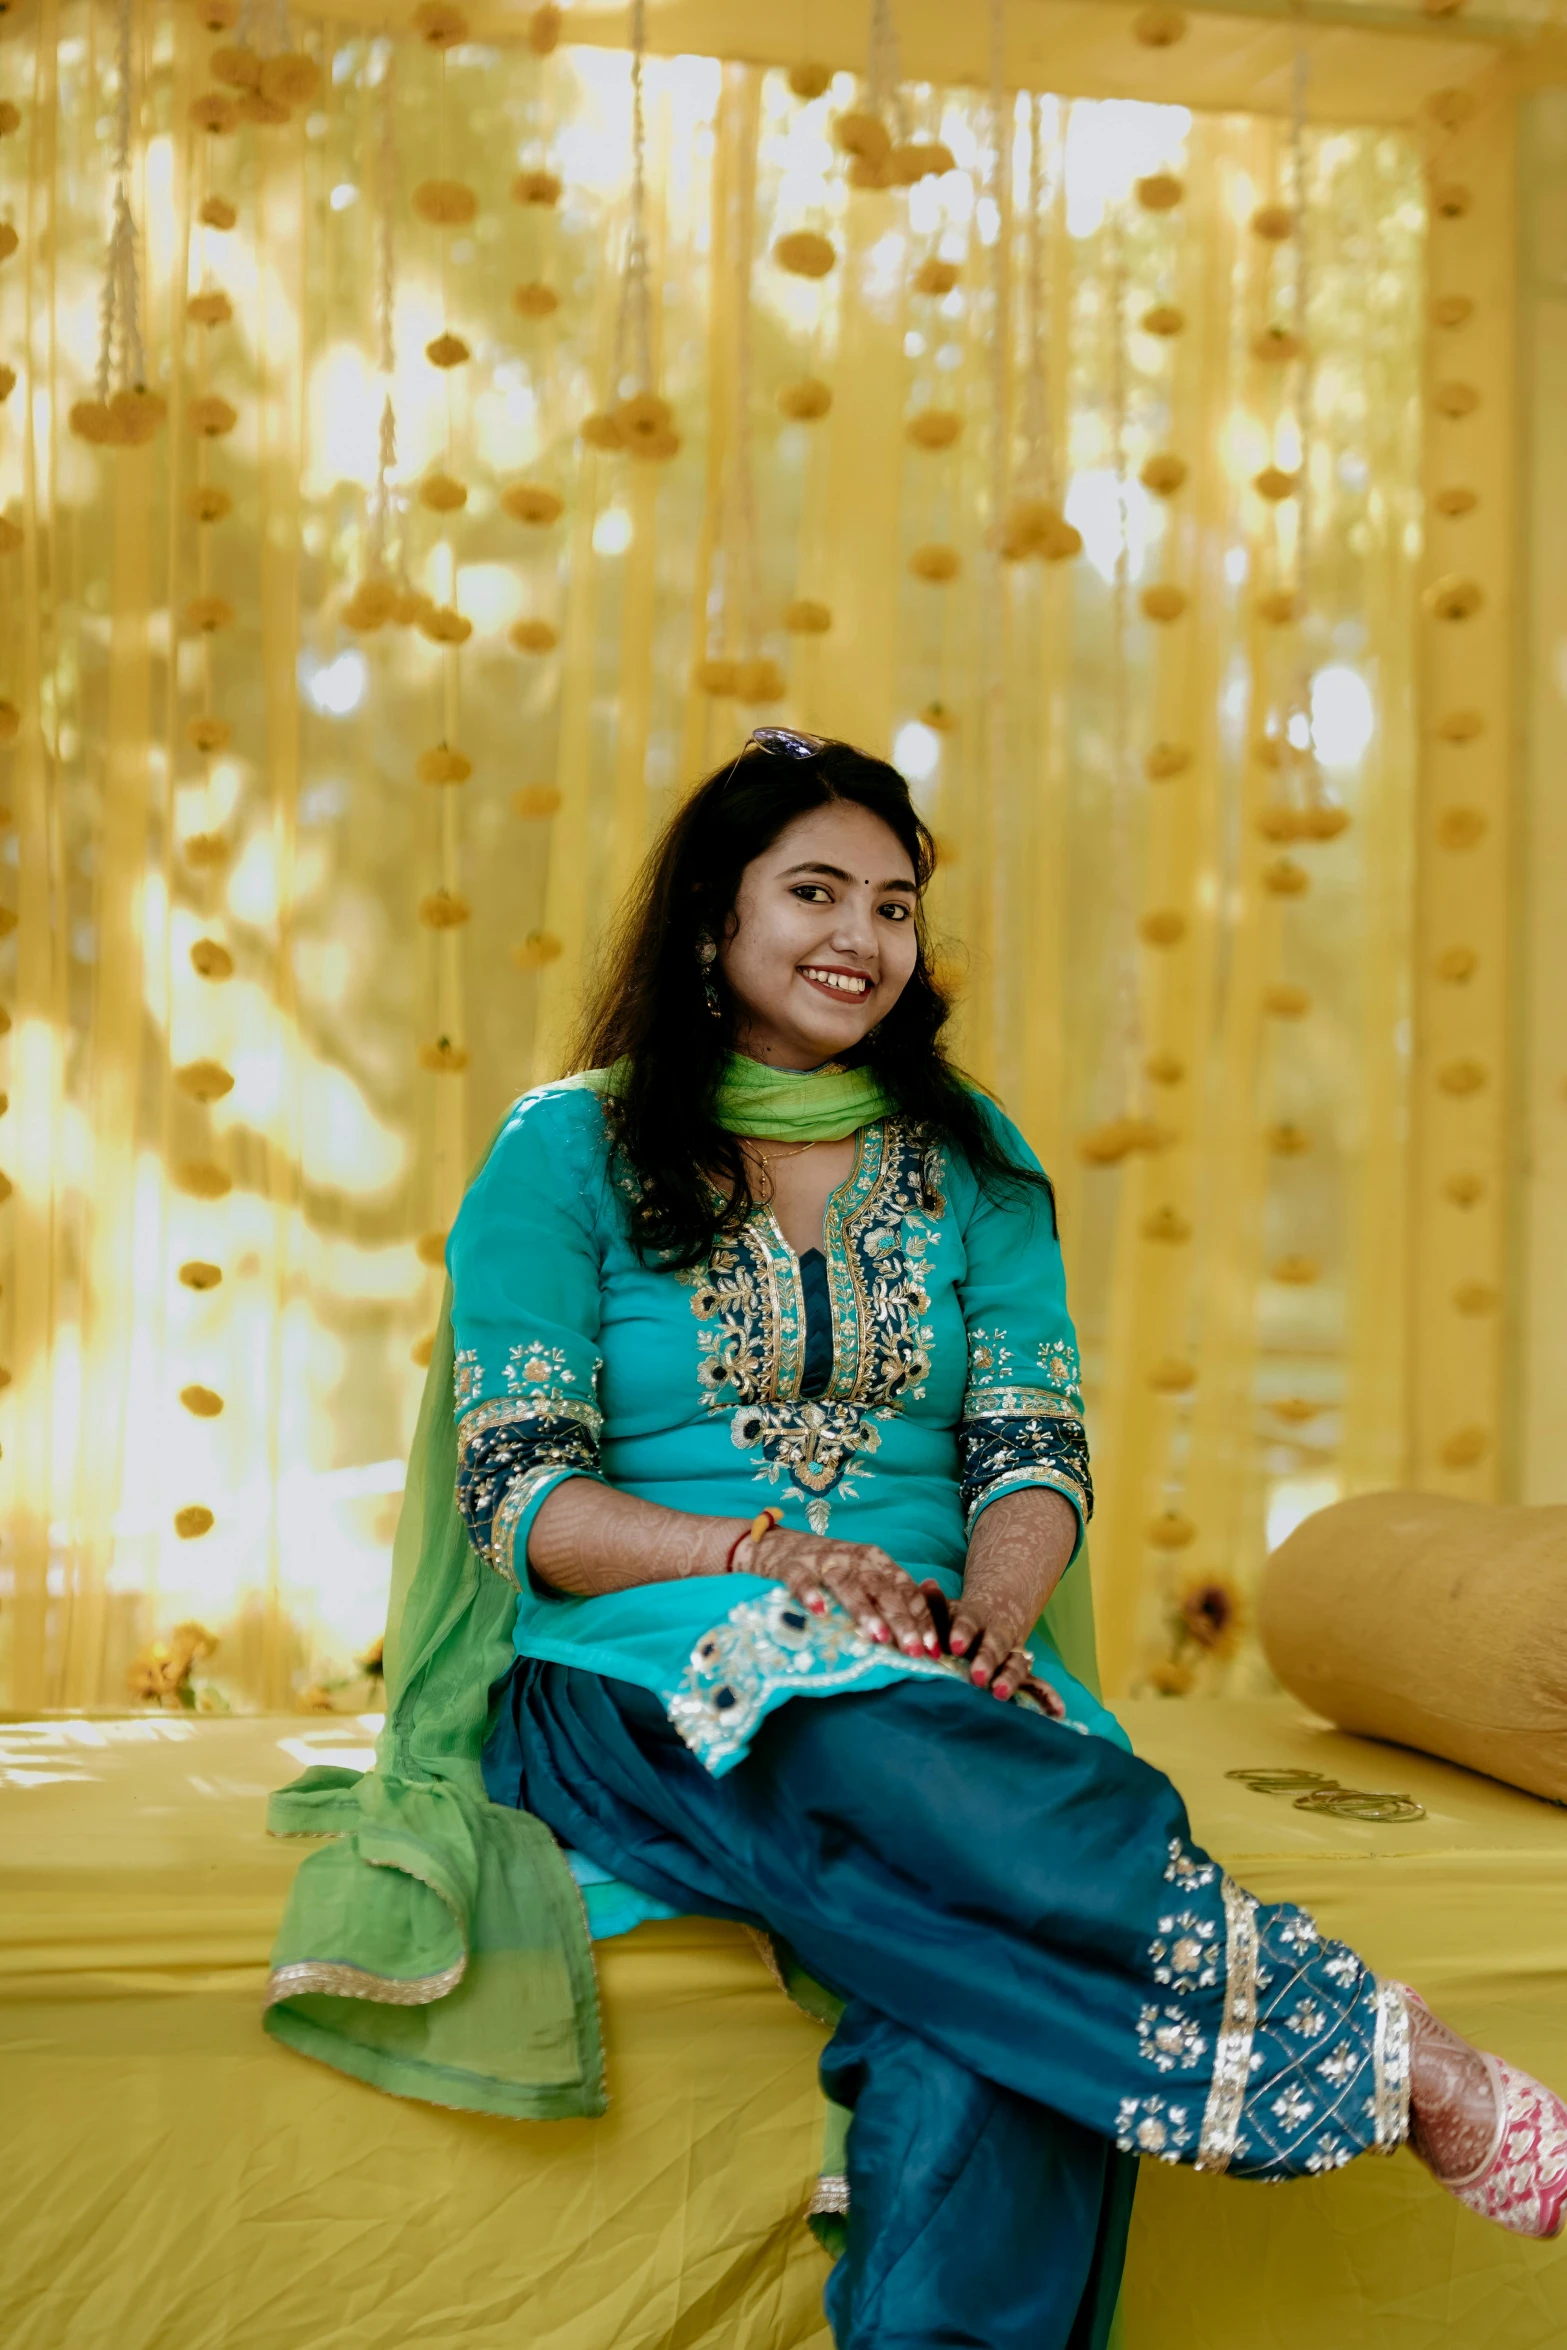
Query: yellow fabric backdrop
point(1248, 1313)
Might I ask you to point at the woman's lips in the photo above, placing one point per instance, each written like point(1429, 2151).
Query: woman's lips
point(845, 987)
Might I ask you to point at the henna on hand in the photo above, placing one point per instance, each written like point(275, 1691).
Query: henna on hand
point(1019, 1551)
point(886, 1603)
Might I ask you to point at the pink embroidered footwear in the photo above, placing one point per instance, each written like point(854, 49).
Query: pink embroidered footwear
point(1522, 2182)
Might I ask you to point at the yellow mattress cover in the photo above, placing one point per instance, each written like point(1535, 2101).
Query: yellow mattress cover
point(174, 2181)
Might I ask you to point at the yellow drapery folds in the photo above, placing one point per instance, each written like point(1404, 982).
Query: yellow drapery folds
point(321, 800)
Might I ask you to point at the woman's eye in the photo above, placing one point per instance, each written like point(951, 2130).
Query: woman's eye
point(815, 893)
point(896, 911)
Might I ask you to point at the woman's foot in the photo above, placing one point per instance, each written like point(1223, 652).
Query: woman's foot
point(1494, 2138)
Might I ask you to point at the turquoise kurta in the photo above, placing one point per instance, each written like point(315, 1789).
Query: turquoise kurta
point(955, 1380)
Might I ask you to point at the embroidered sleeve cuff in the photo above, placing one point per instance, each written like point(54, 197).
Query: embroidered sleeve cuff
point(1018, 1482)
point(510, 1454)
point(1016, 1437)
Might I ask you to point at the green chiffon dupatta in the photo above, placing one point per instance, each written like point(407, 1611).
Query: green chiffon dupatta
point(797, 1105)
point(786, 1105)
point(437, 1946)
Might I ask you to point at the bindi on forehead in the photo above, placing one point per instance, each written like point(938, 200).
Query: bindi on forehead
point(819, 865)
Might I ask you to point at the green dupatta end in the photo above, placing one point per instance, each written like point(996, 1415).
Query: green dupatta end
point(437, 1947)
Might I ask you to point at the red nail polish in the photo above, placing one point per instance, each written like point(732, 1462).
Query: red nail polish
point(818, 1606)
point(933, 1644)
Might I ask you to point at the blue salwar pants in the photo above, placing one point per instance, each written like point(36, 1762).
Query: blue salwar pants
point(1042, 1977)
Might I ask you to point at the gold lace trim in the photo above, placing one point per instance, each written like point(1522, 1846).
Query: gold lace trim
point(1390, 2056)
point(762, 1943)
point(507, 1411)
point(1058, 1480)
point(1017, 1403)
point(831, 2194)
point(1221, 2119)
point(357, 1982)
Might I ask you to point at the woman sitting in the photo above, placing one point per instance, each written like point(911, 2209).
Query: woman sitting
point(769, 1246)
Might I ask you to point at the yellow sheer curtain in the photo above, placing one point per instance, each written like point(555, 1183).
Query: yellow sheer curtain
point(379, 961)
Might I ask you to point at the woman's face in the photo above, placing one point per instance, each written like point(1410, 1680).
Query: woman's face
point(822, 940)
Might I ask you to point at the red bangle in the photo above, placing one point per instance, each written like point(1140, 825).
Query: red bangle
point(763, 1523)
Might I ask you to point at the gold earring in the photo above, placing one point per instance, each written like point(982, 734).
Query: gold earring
point(707, 956)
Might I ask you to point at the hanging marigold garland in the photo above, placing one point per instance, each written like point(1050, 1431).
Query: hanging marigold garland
point(635, 418)
point(10, 716)
point(734, 665)
point(124, 412)
point(1033, 519)
point(876, 136)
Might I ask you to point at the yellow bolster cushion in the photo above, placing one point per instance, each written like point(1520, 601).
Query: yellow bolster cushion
point(1438, 1624)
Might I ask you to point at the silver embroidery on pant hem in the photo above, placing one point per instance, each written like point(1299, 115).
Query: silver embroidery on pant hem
point(1390, 2108)
point(1232, 2057)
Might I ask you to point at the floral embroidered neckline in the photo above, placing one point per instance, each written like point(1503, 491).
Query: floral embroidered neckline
point(877, 1225)
point(833, 1216)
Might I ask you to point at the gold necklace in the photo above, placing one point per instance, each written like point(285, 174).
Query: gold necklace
point(771, 1158)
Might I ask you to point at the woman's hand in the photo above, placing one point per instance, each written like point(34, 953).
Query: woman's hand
point(887, 1604)
point(1001, 1663)
point(1017, 1554)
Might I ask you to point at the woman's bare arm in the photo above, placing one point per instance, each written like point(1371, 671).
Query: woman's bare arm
point(588, 1539)
point(1017, 1554)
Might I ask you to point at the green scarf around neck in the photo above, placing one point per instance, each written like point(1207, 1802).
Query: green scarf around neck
point(797, 1105)
point(785, 1105)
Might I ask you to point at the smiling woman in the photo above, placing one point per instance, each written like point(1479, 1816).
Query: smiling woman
point(767, 1240)
point(818, 946)
point(781, 917)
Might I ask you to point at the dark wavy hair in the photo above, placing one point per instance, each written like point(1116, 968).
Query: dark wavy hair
point(648, 1010)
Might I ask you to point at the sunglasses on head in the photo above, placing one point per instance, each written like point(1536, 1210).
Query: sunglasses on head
point(784, 742)
point(779, 742)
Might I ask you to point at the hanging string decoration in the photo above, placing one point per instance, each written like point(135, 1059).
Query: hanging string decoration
point(635, 418)
point(10, 716)
point(1033, 518)
point(1451, 599)
point(535, 504)
point(1299, 807)
point(1163, 321)
point(806, 253)
point(384, 591)
point(262, 78)
point(534, 297)
point(10, 122)
point(1127, 1129)
point(1130, 1128)
point(122, 413)
point(445, 204)
point(10, 532)
point(876, 136)
point(205, 852)
point(733, 664)
point(443, 909)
